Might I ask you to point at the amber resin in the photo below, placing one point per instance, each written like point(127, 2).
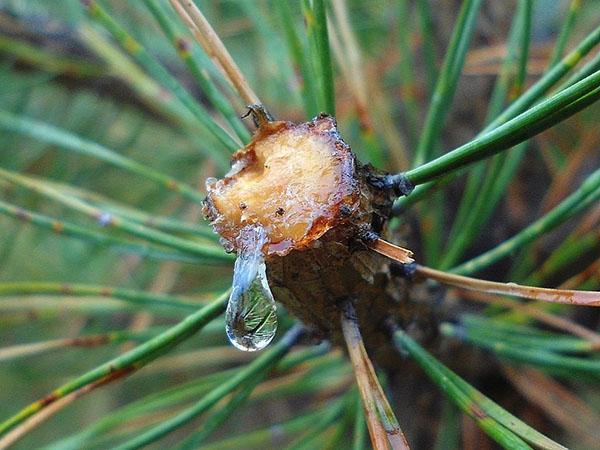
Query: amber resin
point(295, 180)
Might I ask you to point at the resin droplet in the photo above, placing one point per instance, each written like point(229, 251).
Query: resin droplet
point(251, 318)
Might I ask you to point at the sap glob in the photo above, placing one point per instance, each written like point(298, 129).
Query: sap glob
point(251, 318)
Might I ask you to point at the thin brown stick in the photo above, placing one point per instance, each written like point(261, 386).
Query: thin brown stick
point(589, 221)
point(370, 104)
point(17, 433)
point(590, 272)
point(214, 47)
point(565, 296)
point(350, 60)
point(559, 188)
point(558, 322)
point(382, 424)
point(392, 251)
point(17, 351)
point(49, 410)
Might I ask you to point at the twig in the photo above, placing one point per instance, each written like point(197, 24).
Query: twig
point(123, 365)
point(592, 271)
point(143, 298)
point(348, 56)
point(350, 62)
point(382, 424)
point(566, 296)
point(212, 44)
point(17, 433)
point(558, 322)
point(559, 188)
point(392, 251)
point(93, 340)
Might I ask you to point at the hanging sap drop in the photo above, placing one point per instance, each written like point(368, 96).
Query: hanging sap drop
point(251, 317)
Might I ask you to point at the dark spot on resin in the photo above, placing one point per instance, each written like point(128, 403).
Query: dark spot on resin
point(367, 235)
point(345, 210)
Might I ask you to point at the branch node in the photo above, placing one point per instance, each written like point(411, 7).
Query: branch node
point(406, 270)
point(260, 115)
point(367, 235)
point(399, 183)
point(402, 185)
point(349, 312)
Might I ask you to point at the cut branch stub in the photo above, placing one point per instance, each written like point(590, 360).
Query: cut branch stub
point(297, 181)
